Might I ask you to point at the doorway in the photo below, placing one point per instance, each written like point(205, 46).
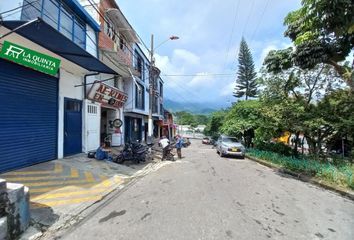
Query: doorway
point(72, 126)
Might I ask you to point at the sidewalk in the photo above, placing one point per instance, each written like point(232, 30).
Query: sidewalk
point(61, 189)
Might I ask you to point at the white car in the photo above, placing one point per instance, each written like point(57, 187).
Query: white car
point(230, 146)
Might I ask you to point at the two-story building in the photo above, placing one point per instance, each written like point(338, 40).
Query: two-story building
point(49, 48)
point(137, 108)
point(116, 40)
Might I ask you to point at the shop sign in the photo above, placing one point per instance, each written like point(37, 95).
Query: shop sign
point(107, 95)
point(30, 58)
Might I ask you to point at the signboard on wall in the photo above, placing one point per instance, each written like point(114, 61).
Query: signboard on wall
point(107, 95)
point(30, 58)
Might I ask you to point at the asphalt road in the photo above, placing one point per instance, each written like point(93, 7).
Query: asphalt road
point(204, 196)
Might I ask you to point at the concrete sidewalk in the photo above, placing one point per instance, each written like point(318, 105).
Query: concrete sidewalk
point(61, 189)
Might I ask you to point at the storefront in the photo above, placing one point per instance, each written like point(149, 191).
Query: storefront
point(134, 128)
point(29, 115)
point(43, 115)
point(111, 101)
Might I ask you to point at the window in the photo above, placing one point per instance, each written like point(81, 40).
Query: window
point(51, 13)
point(73, 106)
point(79, 33)
point(138, 65)
point(31, 10)
point(66, 23)
point(139, 96)
point(161, 89)
point(115, 82)
point(69, 24)
point(155, 104)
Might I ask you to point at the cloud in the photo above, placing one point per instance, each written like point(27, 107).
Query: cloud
point(187, 56)
point(207, 44)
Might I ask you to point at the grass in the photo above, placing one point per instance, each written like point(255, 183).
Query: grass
point(340, 174)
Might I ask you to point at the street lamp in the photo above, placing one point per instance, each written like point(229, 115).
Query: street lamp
point(153, 75)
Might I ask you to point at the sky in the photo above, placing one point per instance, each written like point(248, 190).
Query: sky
point(210, 32)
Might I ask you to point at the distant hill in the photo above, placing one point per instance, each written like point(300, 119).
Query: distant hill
point(192, 107)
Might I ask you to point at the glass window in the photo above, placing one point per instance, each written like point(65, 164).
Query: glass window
point(139, 97)
point(31, 10)
point(79, 33)
point(66, 23)
point(51, 13)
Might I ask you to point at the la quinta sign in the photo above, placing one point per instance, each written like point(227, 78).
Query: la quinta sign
point(29, 58)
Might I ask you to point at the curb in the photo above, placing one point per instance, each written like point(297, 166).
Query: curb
point(304, 178)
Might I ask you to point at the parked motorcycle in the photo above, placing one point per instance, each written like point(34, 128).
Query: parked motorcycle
point(135, 152)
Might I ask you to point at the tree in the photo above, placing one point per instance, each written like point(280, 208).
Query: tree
point(246, 84)
point(322, 32)
point(215, 122)
point(242, 120)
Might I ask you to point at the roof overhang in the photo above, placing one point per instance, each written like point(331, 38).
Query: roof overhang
point(117, 18)
point(45, 35)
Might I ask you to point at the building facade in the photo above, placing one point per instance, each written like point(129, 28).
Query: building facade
point(116, 40)
point(49, 48)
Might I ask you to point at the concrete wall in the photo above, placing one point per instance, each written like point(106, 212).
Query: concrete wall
point(67, 89)
point(14, 209)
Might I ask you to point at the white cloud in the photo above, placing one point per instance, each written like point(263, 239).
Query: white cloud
point(187, 56)
point(206, 44)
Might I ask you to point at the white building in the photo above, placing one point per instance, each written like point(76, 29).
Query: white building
point(44, 115)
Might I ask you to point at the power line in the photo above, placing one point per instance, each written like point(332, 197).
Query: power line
point(232, 33)
point(260, 19)
point(13, 9)
point(199, 75)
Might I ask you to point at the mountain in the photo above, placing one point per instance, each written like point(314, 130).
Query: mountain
point(192, 107)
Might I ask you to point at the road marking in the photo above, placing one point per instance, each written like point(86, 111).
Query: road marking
point(58, 168)
point(89, 177)
point(74, 173)
point(69, 194)
point(66, 202)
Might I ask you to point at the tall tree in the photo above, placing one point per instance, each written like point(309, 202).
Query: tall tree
point(322, 32)
point(246, 84)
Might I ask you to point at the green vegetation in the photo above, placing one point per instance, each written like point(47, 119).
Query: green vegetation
point(306, 91)
point(246, 84)
point(322, 32)
point(341, 174)
point(186, 118)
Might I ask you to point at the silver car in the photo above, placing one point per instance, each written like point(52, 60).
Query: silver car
point(229, 146)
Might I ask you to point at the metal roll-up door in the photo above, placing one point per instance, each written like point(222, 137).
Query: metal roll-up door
point(28, 116)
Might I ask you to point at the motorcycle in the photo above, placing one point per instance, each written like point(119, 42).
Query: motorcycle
point(135, 152)
point(169, 155)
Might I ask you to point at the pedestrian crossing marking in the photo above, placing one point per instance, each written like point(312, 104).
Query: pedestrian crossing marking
point(67, 202)
point(58, 168)
point(74, 173)
point(64, 185)
point(68, 194)
point(89, 177)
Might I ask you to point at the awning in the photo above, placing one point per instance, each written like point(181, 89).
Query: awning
point(118, 18)
point(45, 35)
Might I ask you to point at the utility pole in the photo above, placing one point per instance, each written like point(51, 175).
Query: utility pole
point(152, 77)
point(151, 89)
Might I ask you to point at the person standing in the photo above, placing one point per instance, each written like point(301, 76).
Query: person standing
point(179, 145)
point(164, 142)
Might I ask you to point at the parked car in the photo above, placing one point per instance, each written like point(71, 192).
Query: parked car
point(206, 140)
point(229, 146)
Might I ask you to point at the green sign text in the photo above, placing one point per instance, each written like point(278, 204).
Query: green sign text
point(29, 58)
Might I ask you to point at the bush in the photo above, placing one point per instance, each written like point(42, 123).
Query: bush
point(341, 175)
point(275, 147)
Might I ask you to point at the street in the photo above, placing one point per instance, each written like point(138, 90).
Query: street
point(204, 196)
